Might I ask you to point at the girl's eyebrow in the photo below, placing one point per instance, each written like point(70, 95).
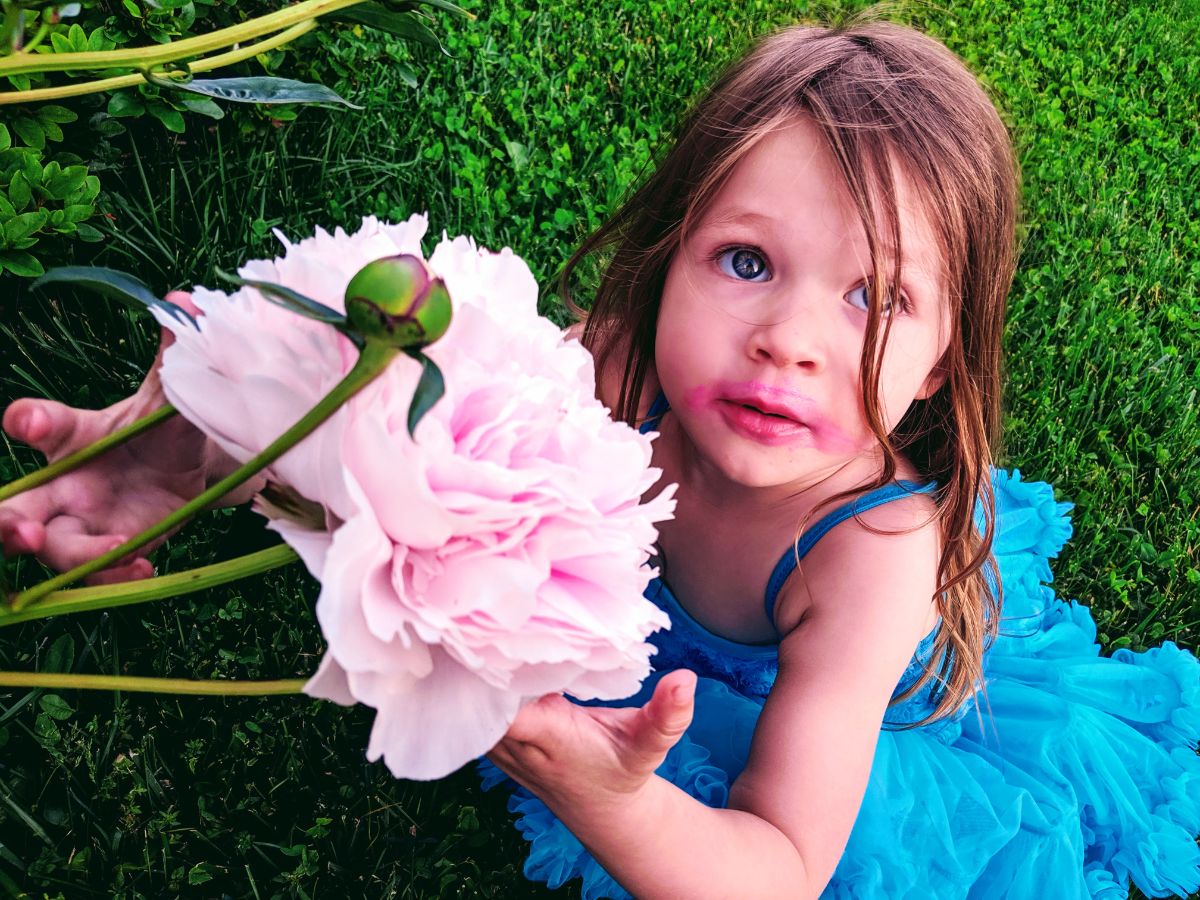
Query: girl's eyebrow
point(737, 216)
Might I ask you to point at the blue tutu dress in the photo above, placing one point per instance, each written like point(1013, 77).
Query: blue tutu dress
point(1077, 774)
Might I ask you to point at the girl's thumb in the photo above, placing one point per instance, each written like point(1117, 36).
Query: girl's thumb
point(670, 709)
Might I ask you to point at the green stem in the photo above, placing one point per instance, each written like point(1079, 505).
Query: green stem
point(79, 457)
point(373, 359)
point(127, 593)
point(134, 57)
point(43, 30)
point(116, 82)
point(226, 688)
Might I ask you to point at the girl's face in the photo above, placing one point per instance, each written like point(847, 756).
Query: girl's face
point(763, 313)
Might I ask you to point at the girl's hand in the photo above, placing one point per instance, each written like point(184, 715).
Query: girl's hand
point(579, 758)
point(80, 515)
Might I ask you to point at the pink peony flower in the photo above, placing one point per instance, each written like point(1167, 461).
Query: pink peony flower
point(497, 557)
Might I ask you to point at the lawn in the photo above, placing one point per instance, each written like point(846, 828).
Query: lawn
point(537, 121)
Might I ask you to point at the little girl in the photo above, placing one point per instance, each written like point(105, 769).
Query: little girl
point(806, 301)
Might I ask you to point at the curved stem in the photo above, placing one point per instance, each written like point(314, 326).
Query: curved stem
point(22, 63)
point(226, 688)
point(127, 593)
point(79, 457)
point(117, 82)
point(373, 359)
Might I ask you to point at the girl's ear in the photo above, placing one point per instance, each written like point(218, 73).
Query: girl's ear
point(934, 380)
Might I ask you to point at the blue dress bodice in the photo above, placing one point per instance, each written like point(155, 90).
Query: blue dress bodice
point(750, 669)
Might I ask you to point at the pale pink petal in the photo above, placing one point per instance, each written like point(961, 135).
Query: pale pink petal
point(427, 728)
point(330, 683)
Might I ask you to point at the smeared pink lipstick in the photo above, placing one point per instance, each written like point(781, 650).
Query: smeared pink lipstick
point(771, 415)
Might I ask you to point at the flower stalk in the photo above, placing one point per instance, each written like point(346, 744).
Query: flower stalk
point(214, 687)
point(157, 55)
point(372, 361)
point(116, 82)
point(111, 596)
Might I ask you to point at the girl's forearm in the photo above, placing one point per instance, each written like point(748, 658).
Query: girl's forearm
point(663, 843)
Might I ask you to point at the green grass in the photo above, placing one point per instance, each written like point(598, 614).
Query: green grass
point(544, 116)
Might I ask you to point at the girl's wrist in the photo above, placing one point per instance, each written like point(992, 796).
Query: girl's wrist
point(593, 807)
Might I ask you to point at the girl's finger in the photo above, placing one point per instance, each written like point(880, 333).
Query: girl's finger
point(536, 721)
point(137, 570)
point(68, 544)
point(19, 534)
point(669, 713)
point(51, 427)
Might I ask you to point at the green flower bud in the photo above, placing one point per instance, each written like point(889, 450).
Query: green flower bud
point(396, 300)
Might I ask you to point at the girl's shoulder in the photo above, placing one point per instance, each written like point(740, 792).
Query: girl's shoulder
point(885, 555)
point(608, 380)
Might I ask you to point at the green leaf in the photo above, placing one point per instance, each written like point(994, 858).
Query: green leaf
point(61, 43)
point(289, 299)
point(19, 191)
point(109, 127)
point(120, 286)
point(199, 874)
point(30, 131)
point(98, 40)
point(518, 153)
point(19, 263)
point(172, 119)
point(264, 90)
point(25, 224)
point(89, 234)
point(446, 5)
point(53, 132)
point(31, 166)
point(202, 106)
point(77, 37)
point(5, 137)
point(55, 706)
point(66, 182)
point(126, 103)
point(406, 72)
point(429, 391)
point(85, 193)
point(401, 24)
point(7, 210)
point(61, 655)
point(59, 114)
point(77, 212)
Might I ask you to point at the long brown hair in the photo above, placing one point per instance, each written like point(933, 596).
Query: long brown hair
point(883, 96)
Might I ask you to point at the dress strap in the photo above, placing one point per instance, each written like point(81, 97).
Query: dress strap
point(810, 536)
point(655, 413)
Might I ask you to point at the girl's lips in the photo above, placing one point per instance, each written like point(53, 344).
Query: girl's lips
point(763, 427)
point(772, 415)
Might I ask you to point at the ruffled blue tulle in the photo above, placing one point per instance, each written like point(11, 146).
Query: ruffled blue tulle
point(1077, 773)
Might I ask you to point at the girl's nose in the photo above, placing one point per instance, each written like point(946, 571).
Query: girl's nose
point(790, 335)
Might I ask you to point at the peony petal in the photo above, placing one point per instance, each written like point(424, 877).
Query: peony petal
point(394, 468)
point(426, 728)
point(330, 683)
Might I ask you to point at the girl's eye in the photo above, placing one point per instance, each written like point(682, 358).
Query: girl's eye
point(743, 263)
point(860, 298)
